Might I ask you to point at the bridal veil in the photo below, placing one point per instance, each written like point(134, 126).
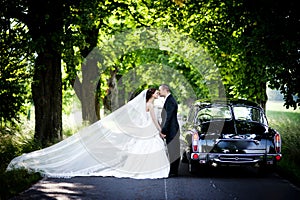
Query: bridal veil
point(123, 144)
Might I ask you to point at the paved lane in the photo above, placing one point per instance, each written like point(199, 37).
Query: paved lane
point(223, 183)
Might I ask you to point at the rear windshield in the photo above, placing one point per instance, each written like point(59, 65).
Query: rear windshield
point(213, 113)
point(249, 114)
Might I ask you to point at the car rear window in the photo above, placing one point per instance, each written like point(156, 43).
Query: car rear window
point(249, 114)
point(214, 113)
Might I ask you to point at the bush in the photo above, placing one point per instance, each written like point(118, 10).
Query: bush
point(286, 122)
point(15, 181)
point(14, 141)
point(7, 151)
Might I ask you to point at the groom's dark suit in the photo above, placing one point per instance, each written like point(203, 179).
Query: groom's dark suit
point(170, 128)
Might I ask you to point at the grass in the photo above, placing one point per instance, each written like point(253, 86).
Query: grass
point(15, 140)
point(16, 181)
point(287, 123)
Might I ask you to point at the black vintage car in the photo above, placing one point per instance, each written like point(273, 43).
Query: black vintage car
point(232, 132)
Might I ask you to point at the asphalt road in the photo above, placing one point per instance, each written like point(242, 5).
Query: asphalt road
point(220, 183)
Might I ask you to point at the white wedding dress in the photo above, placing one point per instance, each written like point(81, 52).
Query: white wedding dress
point(126, 143)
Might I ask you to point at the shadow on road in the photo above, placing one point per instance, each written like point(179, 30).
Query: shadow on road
point(225, 172)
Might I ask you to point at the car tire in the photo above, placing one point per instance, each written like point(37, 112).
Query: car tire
point(184, 158)
point(193, 166)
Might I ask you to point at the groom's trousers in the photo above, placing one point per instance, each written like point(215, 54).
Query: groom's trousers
point(174, 154)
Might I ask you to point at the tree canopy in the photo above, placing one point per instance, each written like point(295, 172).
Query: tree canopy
point(245, 46)
point(253, 43)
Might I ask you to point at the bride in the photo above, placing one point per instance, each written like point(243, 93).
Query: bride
point(126, 143)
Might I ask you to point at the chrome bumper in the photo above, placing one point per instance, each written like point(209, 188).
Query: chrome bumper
point(235, 158)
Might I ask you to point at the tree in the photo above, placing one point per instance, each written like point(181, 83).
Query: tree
point(128, 51)
point(15, 70)
point(55, 29)
point(44, 20)
point(82, 33)
point(273, 40)
point(107, 18)
point(145, 13)
point(252, 42)
point(69, 30)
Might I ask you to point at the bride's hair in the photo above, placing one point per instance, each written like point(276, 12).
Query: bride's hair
point(149, 93)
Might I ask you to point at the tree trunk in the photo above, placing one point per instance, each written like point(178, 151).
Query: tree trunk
point(45, 22)
point(88, 89)
point(111, 101)
point(47, 97)
point(221, 90)
point(97, 99)
point(121, 92)
point(90, 78)
point(264, 96)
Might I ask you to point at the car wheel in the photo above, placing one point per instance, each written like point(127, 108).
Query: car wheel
point(184, 158)
point(193, 166)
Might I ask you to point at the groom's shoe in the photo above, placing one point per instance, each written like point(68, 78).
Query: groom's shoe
point(171, 175)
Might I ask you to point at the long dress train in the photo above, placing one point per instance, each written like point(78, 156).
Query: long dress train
point(126, 143)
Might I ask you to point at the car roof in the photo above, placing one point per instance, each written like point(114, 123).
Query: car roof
point(209, 103)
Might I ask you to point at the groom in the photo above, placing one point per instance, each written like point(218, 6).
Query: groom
point(170, 128)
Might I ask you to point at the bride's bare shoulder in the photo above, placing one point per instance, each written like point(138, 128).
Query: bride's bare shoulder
point(149, 106)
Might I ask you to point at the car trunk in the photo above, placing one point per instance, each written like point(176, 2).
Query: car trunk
point(234, 137)
point(239, 146)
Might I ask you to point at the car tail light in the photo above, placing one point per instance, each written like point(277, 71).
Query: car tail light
point(278, 157)
point(195, 140)
point(195, 156)
point(277, 142)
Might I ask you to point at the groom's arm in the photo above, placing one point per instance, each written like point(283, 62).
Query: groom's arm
point(170, 110)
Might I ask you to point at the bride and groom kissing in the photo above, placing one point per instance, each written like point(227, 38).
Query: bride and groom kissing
point(128, 143)
point(169, 128)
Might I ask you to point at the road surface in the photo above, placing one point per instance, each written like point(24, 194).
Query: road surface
point(222, 183)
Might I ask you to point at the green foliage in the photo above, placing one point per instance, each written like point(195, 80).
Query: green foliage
point(153, 66)
point(219, 26)
point(68, 100)
point(16, 181)
point(273, 42)
point(8, 150)
point(15, 70)
point(15, 140)
point(158, 56)
point(251, 42)
point(286, 122)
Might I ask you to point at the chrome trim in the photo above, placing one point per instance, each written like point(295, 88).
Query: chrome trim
point(235, 158)
point(241, 154)
point(236, 161)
